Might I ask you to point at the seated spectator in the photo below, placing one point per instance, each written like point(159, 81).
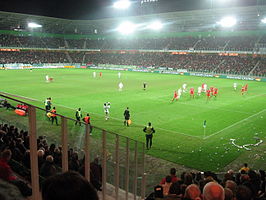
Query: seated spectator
point(9, 191)
point(175, 189)
point(7, 174)
point(192, 192)
point(166, 186)
point(213, 191)
point(243, 193)
point(173, 176)
point(48, 168)
point(68, 186)
point(231, 185)
point(228, 194)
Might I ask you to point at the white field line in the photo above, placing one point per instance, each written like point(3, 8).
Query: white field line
point(136, 123)
point(31, 99)
point(239, 122)
point(158, 127)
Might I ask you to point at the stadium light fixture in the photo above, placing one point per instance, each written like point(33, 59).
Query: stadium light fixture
point(122, 4)
point(227, 22)
point(263, 20)
point(156, 25)
point(126, 28)
point(34, 25)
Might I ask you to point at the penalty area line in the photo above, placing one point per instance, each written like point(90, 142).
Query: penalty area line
point(239, 122)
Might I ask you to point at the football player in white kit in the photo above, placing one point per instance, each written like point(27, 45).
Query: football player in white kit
point(179, 92)
point(120, 86)
point(235, 86)
point(94, 74)
point(119, 74)
point(184, 87)
point(205, 87)
point(199, 90)
point(47, 78)
point(106, 107)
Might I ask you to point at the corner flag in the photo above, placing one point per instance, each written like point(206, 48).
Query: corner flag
point(204, 124)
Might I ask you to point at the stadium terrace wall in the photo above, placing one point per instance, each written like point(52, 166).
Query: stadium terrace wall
point(140, 35)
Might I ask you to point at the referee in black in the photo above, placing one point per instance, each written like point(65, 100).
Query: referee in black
point(149, 130)
point(127, 116)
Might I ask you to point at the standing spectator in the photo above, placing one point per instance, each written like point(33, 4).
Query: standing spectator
point(78, 116)
point(245, 168)
point(54, 116)
point(149, 130)
point(127, 116)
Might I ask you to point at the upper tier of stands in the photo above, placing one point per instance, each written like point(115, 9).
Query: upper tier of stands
point(230, 43)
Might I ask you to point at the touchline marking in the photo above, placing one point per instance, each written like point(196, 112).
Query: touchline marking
point(31, 99)
point(234, 124)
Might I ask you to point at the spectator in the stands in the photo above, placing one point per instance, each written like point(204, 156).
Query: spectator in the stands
point(243, 193)
point(40, 154)
point(9, 191)
point(5, 170)
point(166, 186)
point(74, 162)
point(173, 176)
point(68, 186)
point(192, 193)
point(231, 185)
point(213, 191)
point(26, 159)
point(48, 168)
point(228, 194)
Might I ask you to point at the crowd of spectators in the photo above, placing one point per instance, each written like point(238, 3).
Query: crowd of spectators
point(246, 184)
point(32, 57)
point(237, 65)
point(243, 65)
point(191, 62)
point(14, 145)
point(230, 43)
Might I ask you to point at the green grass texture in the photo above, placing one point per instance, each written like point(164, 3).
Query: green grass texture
point(180, 136)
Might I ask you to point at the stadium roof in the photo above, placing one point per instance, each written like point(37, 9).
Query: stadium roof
point(249, 18)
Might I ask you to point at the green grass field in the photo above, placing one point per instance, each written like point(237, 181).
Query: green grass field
point(179, 125)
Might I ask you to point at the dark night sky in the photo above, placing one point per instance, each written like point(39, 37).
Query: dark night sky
point(91, 9)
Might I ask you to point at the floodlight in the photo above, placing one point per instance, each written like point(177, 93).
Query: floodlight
point(126, 28)
point(227, 22)
point(122, 4)
point(34, 25)
point(156, 25)
point(264, 20)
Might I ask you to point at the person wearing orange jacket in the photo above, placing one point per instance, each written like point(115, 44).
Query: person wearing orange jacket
point(87, 120)
point(53, 116)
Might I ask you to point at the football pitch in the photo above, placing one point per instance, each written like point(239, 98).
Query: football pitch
point(180, 136)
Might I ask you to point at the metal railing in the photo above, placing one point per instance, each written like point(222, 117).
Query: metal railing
point(122, 158)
